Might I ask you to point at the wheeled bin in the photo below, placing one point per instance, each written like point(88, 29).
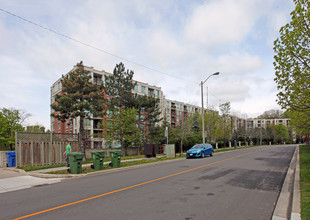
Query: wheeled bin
point(75, 159)
point(116, 158)
point(10, 155)
point(98, 157)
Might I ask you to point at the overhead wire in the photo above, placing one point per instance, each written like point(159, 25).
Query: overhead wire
point(93, 47)
point(96, 48)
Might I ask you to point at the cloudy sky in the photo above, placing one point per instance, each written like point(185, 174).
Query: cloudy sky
point(173, 44)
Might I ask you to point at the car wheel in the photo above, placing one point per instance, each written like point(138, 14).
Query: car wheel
point(202, 154)
point(211, 154)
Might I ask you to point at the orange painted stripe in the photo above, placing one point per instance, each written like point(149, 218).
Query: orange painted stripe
point(133, 186)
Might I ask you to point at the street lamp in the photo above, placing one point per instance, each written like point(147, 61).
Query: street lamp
point(203, 121)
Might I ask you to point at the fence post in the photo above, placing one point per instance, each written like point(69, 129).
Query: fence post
point(16, 149)
point(42, 153)
point(31, 153)
point(50, 154)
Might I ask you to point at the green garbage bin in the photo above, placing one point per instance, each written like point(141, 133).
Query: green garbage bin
point(75, 159)
point(116, 158)
point(97, 157)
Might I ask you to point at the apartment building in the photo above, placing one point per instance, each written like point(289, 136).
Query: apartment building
point(264, 123)
point(258, 122)
point(93, 126)
point(176, 112)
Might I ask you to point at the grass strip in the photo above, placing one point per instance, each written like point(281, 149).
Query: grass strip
point(123, 164)
point(304, 154)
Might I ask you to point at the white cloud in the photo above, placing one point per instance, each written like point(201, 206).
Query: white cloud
point(221, 22)
point(239, 63)
point(188, 40)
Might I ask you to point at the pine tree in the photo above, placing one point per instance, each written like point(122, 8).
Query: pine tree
point(79, 98)
point(118, 88)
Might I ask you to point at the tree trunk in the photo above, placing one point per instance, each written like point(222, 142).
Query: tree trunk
point(82, 137)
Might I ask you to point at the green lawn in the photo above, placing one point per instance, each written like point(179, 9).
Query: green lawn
point(123, 164)
point(304, 152)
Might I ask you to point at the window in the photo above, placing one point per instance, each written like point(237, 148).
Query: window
point(168, 104)
point(87, 122)
point(143, 89)
point(136, 88)
point(157, 93)
point(177, 106)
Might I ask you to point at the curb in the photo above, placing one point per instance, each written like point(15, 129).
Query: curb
point(296, 210)
point(288, 203)
point(14, 169)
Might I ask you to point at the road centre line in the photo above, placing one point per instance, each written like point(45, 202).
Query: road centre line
point(133, 186)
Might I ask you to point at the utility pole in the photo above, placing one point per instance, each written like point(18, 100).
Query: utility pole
point(203, 111)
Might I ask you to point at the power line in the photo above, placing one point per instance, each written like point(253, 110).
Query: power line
point(90, 46)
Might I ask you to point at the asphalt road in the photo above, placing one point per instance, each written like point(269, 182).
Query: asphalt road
point(242, 184)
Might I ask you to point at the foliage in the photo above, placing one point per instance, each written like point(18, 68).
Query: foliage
point(300, 121)
point(226, 120)
point(281, 133)
point(118, 88)
point(292, 60)
point(212, 120)
point(10, 121)
point(148, 113)
point(79, 98)
point(127, 121)
point(271, 114)
point(35, 128)
point(185, 130)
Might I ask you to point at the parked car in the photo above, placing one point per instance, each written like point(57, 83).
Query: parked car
point(200, 150)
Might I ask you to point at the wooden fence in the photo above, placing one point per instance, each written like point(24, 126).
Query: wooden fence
point(33, 149)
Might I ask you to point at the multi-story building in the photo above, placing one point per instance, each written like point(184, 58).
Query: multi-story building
point(174, 111)
point(264, 123)
point(258, 122)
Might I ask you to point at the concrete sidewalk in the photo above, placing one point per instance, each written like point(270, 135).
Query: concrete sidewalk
point(12, 179)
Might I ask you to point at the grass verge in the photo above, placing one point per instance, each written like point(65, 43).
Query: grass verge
point(304, 153)
point(123, 164)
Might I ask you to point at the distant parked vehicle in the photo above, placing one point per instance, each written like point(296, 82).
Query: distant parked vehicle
point(200, 150)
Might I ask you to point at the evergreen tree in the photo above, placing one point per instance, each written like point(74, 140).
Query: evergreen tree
point(79, 98)
point(118, 88)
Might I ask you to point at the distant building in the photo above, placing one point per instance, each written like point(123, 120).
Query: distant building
point(264, 123)
point(176, 112)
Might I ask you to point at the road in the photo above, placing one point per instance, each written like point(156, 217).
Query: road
point(241, 184)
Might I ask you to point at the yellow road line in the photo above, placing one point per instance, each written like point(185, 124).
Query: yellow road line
point(133, 186)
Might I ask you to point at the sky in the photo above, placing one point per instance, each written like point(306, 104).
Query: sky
point(173, 44)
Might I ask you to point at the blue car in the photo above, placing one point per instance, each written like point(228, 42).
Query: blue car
point(200, 150)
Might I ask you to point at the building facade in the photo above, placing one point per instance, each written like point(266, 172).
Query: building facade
point(175, 112)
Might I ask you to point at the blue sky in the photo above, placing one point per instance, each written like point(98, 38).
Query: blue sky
point(185, 40)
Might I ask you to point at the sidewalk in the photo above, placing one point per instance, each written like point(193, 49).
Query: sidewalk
point(12, 179)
